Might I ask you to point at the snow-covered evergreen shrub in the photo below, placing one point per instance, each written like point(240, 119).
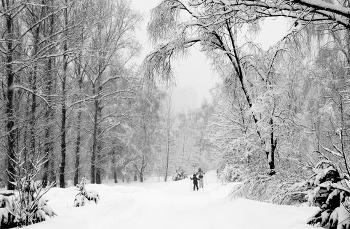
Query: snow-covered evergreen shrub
point(329, 190)
point(85, 195)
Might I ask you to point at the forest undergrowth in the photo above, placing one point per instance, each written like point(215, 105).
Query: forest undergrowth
point(282, 188)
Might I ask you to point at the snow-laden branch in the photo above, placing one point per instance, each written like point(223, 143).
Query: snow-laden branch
point(158, 63)
point(336, 154)
point(30, 91)
point(248, 11)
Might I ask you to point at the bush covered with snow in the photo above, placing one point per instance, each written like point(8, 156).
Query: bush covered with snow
point(256, 184)
point(326, 189)
point(85, 195)
point(231, 173)
point(25, 206)
point(329, 190)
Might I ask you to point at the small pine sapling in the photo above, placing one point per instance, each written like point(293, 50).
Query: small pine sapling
point(85, 194)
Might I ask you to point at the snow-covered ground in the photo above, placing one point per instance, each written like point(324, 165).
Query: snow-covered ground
point(153, 205)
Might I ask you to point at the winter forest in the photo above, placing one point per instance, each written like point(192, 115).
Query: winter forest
point(77, 110)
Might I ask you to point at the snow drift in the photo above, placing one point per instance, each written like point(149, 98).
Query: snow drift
point(170, 205)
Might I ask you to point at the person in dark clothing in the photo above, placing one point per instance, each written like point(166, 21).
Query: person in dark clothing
point(195, 182)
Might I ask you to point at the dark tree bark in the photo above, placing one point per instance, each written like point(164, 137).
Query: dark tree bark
point(63, 101)
point(273, 143)
point(99, 151)
point(97, 146)
point(79, 119)
point(114, 168)
point(77, 148)
point(93, 153)
point(10, 75)
point(95, 136)
point(48, 88)
point(33, 85)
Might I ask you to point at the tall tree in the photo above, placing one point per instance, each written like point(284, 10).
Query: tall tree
point(217, 36)
point(112, 46)
point(49, 82)
point(64, 95)
point(9, 15)
point(169, 122)
point(145, 130)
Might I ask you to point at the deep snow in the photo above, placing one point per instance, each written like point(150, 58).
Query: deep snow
point(153, 205)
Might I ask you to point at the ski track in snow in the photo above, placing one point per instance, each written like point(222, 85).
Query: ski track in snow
point(170, 205)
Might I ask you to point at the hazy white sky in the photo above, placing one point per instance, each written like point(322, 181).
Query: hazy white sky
point(194, 76)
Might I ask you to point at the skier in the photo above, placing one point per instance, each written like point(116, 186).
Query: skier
point(200, 174)
point(195, 182)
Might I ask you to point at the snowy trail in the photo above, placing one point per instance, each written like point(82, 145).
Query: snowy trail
point(160, 205)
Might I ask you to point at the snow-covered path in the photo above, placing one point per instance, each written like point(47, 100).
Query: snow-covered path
point(160, 205)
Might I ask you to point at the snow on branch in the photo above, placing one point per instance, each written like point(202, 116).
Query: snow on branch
point(30, 91)
point(247, 11)
point(163, 20)
point(331, 151)
point(158, 63)
point(318, 4)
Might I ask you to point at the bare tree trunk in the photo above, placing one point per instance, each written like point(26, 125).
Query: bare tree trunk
point(26, 130)
point(79, 118)
point(77, 150)
point(95, 139)
point(48, 145)
point(63, 102)
point(142, 169)
point(114, 169)
point(273, 143)
point(48, 116)
point(9, 107)
point(98, 138)
point(115, 176)
point(167, 163)
point(33, 82)
point(99, 151)
point(10, 75)
point(167, 153)
point(53, 171)
point(95, 155)
point(168, 113)
point(342, 134)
